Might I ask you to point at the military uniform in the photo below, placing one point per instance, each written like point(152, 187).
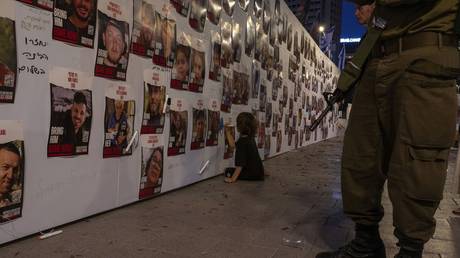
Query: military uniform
point(402, 123)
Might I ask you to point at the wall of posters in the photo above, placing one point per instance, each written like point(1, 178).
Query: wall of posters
point(158, 138)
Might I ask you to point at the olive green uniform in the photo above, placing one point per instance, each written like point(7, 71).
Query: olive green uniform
point(403, 118)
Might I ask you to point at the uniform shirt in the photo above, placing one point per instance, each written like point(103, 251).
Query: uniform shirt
point(247, 157)
point(412, 16)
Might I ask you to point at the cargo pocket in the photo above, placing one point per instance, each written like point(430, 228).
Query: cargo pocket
point(425, 175)
point(429, 110)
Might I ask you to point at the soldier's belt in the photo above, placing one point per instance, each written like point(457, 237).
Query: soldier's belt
point(421, 39)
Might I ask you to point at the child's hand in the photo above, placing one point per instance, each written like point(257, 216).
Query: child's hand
point(229, 180)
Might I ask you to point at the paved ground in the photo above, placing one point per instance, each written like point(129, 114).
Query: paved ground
point(296, 212)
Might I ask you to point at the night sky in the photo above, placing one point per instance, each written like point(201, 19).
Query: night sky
point(350, 27)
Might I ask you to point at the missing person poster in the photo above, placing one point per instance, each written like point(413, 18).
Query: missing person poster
point(214, 10)
point(236, 42)
point(228, 149)
point(244, 4)
point(255, 80)
point(258, 9)
point(178, 117)
point(216, 47)
point(250, 37)
point(240, 86)
point(199, 126)
point(118, 120)
point(144, 29)
point(227, 91)
point(227, 49)
point(198, 67)
point(180, 74)
point(11, 170)
point(8, 58)
point(197, 17)
point(75, 22)
point(71, 112)
point(181, 6)
point(229, 6)
point(44, 4)
point(165, 40)
point(155, 81)
point(113, 40)
point(263, 97)
point(152, 153)
point(213, 123)
point(260, 130)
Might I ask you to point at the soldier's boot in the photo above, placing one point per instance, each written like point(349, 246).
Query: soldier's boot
point(367, 244)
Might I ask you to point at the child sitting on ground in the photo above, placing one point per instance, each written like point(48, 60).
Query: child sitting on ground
point(248, 165)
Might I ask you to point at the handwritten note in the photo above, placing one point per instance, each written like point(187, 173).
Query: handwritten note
point(33, 37)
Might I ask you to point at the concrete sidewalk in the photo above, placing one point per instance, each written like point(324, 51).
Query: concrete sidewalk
point(296, 212)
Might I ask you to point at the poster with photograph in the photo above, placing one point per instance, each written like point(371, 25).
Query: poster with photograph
point(165, 40)
point(228, 150)
point(212, 138)
point(296, 46)
point(227, 46)
point(181, 6)
point(180, 74)
point(178, 118)
point(11, 170)
point(152, 153)
point(267, 13)
point(277, 14)
point(256, 79)
point(302, 43)
point(214, 10)
point(267, 147)
point(289, 37)
point(113, 41)
point(227, 91)
point(268, 114)
point(155, 81)
point(75, 22)
point(263, 97)
point(144, 29)
point(279, 141)
point(8, 57)
point(197, 17)
point(244, 4)
point(250, 37)
point(199, 126)
point(120, 109)
point(44, 4)
point(236, 41)
point(260, 130)
point(229, 6)
point(214, 66)
point(240, 87)
point(258, 9)
point(198, 68)
point(293, 67)
point(259, 42)
point(71, 112)
point(275, 124)
point(276, 85)
point(285, 95)
point(273, 32)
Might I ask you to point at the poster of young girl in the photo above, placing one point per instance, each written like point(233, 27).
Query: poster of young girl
point(213, 123)
point(71, 112)
point(198, 67)
point(199, 126)
point(113, 40)
point(178, 117)
point(118, 120)
point(152, 153)
point(180, 74)
point(11, 159)
point(155, 81)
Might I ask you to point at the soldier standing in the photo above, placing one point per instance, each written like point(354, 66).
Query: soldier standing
point(402, 124)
